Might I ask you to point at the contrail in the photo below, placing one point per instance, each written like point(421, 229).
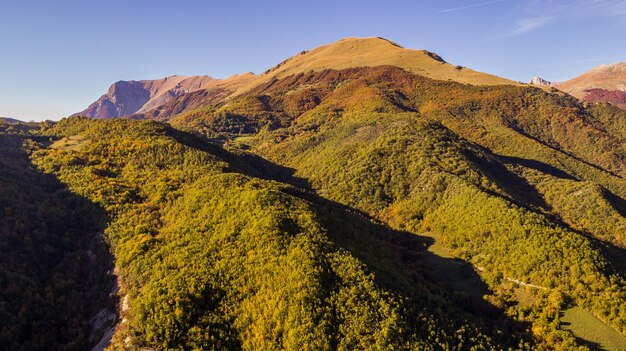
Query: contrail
point(471, 6)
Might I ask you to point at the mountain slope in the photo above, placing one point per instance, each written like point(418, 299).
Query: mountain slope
point(375, 51)
point(137, 99)
point(216, 91)
point(128, 97)
point(216, 251)
point(605, 83)
point(492, 171)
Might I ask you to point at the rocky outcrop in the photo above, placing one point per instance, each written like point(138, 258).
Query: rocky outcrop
point(539, 81)
point(129, 97)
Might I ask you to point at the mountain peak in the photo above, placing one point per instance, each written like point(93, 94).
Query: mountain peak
point(355, 52)
point(370, 40)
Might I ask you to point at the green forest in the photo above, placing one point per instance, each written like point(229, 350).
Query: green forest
point(300, 215)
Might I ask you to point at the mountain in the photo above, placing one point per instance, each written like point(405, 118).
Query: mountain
point(138, 100)
point(216, 91)
point(129, 97)
point(605, 83)
point(539, 81)
point(370, 206)
point(458, 162)
point(375, 51)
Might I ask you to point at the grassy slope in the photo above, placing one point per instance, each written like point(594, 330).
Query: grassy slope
point(362, 52)
point(589, 328)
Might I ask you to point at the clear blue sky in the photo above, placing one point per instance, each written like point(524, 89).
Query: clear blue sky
point(57, 56)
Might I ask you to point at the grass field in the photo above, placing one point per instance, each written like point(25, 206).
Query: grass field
point(592, 330)
point(75, 143)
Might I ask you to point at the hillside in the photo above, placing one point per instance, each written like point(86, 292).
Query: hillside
point(218, 250)
point(10, 120)
point(493, 171)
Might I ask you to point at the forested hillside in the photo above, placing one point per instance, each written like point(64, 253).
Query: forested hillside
point(524, 184)
point(214, 253)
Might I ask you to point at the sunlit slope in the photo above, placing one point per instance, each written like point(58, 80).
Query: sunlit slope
point(374, 51)
point(214, 91)
point(607, 77)
point(216, 251)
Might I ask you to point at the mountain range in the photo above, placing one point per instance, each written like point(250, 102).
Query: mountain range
point(358, 196)
point(164, 98)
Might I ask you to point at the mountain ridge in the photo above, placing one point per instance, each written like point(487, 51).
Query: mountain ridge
point(344, 53)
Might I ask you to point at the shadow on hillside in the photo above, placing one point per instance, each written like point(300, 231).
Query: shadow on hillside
point(244, 162)
point(538, 166)
point(567, 153)
point(512, 184)
point(59, 264)
point(403, 264)
point(617, 202)
point(400, 262)
point(459, 275)
point(583, 342)
point(270, 171)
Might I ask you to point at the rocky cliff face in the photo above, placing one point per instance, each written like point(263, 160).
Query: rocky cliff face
point(539, 81)
point(129, 97)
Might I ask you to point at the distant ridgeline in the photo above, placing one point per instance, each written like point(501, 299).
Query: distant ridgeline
point(409, 204)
